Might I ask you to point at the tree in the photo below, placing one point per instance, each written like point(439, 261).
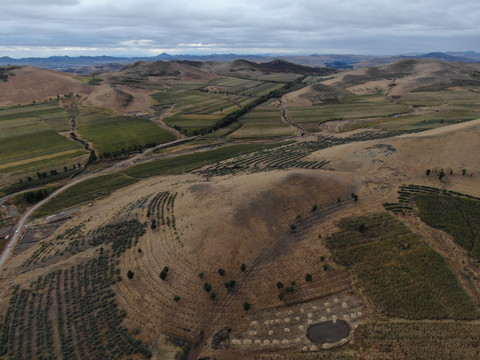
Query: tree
point(246, 306)
point(207, 287)
point(176, 298)
point(243, 267)
point(281, 296)
point(441, 175)
point(230, 285)
point(130, 274)
point(428, 172)
point(308, 277)
point(221, 271)
point(314, 207)
point(279, 285)
point(213, 296)
point(164, 273)
point(201, 275)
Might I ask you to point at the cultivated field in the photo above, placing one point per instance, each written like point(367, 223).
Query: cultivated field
point(31, 141)
point(112, 136)
point(355, 239)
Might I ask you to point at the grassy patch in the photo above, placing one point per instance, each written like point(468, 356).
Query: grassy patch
point(112, 133)
point(186, 163)
point(262, 123)
point(30, 142)
point(458, 216)
point(415, 340)
point(350, 107)
point(401, 274)
point(85, 191)
point(36, 182)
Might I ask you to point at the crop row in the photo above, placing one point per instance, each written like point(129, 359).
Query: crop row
point(79, 306)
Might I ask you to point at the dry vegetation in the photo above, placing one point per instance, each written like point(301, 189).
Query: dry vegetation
point(314, 248)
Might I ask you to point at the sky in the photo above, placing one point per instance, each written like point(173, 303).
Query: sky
point(30, 28)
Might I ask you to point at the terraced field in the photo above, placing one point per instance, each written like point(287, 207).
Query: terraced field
point(198, 110)
point(264, 122)
point(348, 108)
point(31, 142)
point(112, 135)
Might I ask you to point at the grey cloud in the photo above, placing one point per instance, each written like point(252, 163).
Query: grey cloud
point(306, 26)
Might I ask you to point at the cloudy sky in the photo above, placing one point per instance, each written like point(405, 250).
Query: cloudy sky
point(148, 27)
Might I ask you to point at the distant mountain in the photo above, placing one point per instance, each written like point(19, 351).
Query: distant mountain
point(69, 64)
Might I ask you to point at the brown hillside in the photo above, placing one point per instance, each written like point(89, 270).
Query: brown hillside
point(179, 70)
point(27, 84)
point(404, 76)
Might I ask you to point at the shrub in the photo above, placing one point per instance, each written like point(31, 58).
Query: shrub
point(221, 271)
point(314, 207)
point(279, 285)
point(243, 267)
point(213, 296)
point(308, 277)
point(176, 298)
point(246, 306)
point(207, 287)
point(130, 274)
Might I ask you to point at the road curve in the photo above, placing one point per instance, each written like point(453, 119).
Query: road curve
point(19, 228)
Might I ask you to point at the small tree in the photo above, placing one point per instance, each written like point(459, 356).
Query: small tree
point(130, 274)
point(221, 271)
point(207, 287)
point(243, 267)
point(246, 306)
point(308, 277)
point(281, 296)
point(326, 267)
point(464, 171)
point(213, 296)
point(230, 285)
point(441, 175)
point(201, 275)
point(279, 285)
point(314, 207)
point(428, 172)
point(176, 298)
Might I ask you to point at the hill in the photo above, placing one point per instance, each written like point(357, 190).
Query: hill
point(41, 84)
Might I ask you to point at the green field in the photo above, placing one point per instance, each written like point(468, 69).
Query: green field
point(186, 163)
point(262, 123)
point(459, 216)
point(85, 191)
point(397, 271)
point(113, 133)
point(194, 111)
point(350, 107)
point(419, 340)
point(30, 142)
point(432, 109)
